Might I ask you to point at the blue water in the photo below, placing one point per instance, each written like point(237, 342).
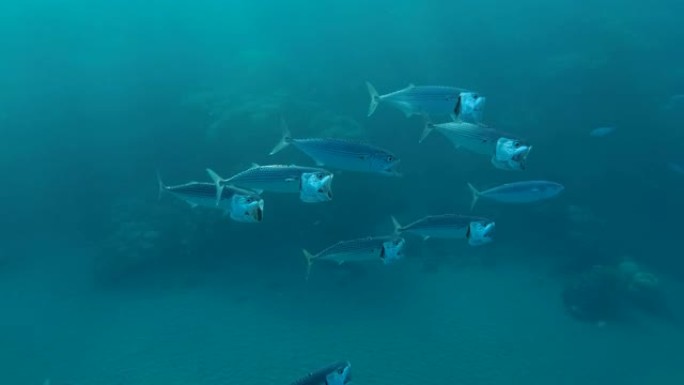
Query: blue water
point(103, 283)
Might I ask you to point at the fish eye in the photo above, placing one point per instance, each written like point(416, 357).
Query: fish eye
point(390, 158)
point(340, 371)
point(517, 144)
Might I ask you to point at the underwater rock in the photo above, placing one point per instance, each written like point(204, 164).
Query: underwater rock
point(611, 292)
point(594, 296)
point(144, 234)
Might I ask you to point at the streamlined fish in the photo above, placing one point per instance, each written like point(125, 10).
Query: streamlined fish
point(386, 249)
point(507, 151)
point(337, 373)
point(311, 183)
point(342, 154)
point(434, 101)
point(477, 230)
point(518, 192)
point(240, 205)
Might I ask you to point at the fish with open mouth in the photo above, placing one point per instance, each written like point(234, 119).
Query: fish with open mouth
point(311, 183)
point(342, 154)
point(477, 230)
point(337, 373)
point(507, 151)
point(240, 205)
point(433, 101)
point(387, 249)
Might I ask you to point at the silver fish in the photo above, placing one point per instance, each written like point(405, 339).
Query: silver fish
point(431, 101)
point(240, 205)
point(313, 184)
point(507, 151)
point(518, 192)
point(337, 373)
point(342, 154)
point(387, 249)
point(476, 230)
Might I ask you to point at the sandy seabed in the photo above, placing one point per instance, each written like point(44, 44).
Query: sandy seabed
point(397, 326)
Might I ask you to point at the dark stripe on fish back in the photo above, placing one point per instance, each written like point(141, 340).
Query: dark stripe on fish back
point(354, 245)
point(445, 220)
point(519, 187)
point(266, 174)
point(319, 377)
point(476, 132)
point(195, 189)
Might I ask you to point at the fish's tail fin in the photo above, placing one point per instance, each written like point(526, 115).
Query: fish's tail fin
point(374, 98)
point(284, 140)
point(161, 185)
point(218, 181)
point(427, 128)
point(476, 195)
point(396, 224)
point(309, 261)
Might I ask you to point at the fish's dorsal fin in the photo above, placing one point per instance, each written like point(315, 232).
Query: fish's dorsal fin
point(254, 165)
point(410, 86)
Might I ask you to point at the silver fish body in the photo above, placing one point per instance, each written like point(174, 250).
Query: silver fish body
point(343, 154)
point(337, 373)
point(447, 226)
point(518, 192)
point(386, 249)
point(271, 178)
point(241, 205)
point(430, 101)
point(506, 151)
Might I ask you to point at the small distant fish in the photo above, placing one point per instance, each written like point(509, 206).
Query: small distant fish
point(240, 205)
point(342, 154)
point(518, 192)
point(507, 151)
point(313, 184)
point(431, 101)
point(602, 131)
point(338, 373)
point(477, 230)
point(386, 249)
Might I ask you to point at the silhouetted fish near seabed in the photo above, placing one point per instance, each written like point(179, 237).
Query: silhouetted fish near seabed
point(432, 101)
point(240, 205)
point(342, 154)
point(338, 373)
point(477, 230)
point(386, 249)
point(518, 192)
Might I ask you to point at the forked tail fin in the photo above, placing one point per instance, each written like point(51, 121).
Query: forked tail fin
point(309, 261)
point(476, 195)
point(427, 128)
point(162, 187)
point(374, 98)
point(284, 140)
point(218, 181)
point(397, 225)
